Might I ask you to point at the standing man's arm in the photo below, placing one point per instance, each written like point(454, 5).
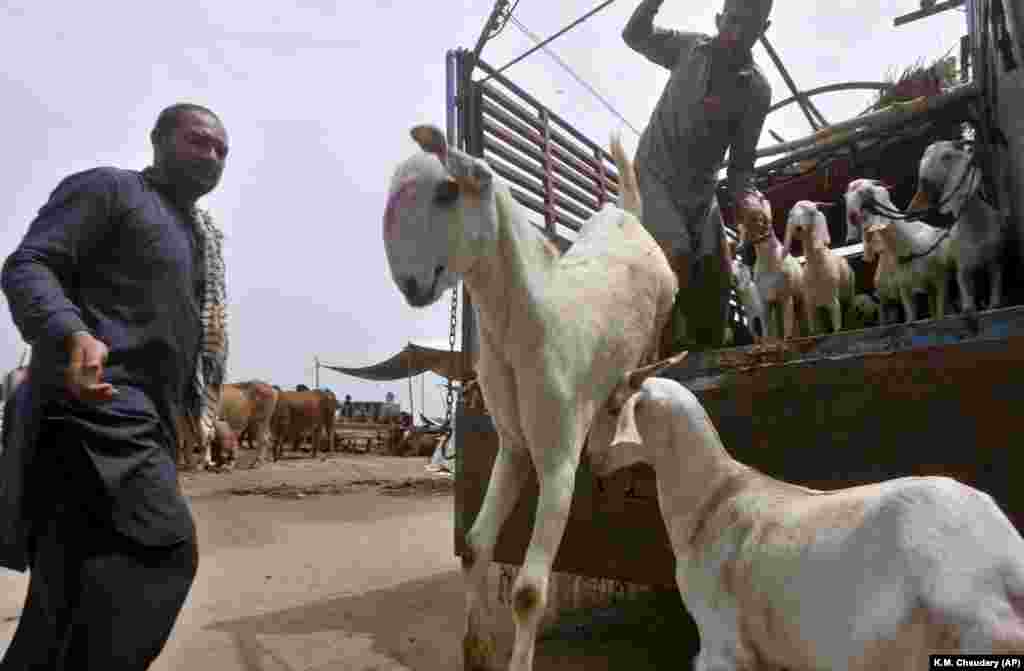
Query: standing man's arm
point(38, 276)
point(743, 149)
point(660, 45)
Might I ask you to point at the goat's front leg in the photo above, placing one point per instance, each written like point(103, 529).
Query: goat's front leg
point(965, 283)
point(556, 449)
point(773, 321)
point(995, 277)
point(789, 318)
point(836, 310)
point(508, 477)
point(909, 306)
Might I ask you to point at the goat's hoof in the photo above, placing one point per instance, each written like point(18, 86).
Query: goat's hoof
point(478, 653)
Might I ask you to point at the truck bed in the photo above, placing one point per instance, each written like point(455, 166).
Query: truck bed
point(935, 397)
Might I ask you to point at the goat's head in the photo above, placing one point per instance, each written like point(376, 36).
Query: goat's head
point(753, 216)
point(615, 442)
point(441, 216)
point(861, 194)
point(943, 178)
point(808, 224)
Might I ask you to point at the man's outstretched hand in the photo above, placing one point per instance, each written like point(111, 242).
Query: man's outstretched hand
point(85, 370)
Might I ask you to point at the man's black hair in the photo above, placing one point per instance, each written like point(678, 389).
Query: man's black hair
point(170, 116)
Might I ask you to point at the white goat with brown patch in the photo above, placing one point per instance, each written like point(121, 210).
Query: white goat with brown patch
point(950, 181)
point(779, 576)
point(778, 277)
point(827, 277)
point(885, 280)
point(556, 335)
point(921, 251)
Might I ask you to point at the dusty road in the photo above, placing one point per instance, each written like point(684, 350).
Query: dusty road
point(347, 564)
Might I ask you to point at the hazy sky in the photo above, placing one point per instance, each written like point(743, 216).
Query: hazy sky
point(318, 99)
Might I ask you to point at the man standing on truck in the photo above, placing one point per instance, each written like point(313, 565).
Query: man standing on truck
point(716, 98)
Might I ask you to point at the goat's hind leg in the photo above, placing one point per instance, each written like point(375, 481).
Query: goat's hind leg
point(508, 478)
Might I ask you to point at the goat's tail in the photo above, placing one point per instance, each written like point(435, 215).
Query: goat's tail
point(629, 188)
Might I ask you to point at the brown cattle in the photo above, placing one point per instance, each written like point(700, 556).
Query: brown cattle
point(248, 408)
point(299, 412)
point(225, 445)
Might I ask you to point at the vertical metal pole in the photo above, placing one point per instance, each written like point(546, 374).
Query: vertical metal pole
point(549, 182)
point(602, 178)
point(965, 59)
point(450, 101)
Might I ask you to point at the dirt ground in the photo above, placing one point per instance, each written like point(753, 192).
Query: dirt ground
point(347, 564)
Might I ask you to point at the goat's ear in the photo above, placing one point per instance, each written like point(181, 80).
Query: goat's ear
point(636, 377)
point(822, 205)
point(626, 432)
point(473, 174)
point(431, 140)
point(821, 233)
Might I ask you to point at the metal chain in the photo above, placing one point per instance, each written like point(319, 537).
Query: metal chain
point(451, 342)
point(449, 396)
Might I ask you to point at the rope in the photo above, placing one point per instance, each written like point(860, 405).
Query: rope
point(526, 31)
point(558, 34)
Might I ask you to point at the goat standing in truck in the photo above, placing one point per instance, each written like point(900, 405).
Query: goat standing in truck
point(716, 99)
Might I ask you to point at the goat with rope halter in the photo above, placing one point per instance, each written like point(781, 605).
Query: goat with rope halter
point(920, 254)
point(949, 182)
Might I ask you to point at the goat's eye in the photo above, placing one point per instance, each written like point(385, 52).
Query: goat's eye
point(446, 192)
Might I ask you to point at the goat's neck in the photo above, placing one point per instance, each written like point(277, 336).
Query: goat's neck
point(769, 253)
point(816, 253)
point(692, 467)
point(900, 237)
point(976, 214)
point(513, 275)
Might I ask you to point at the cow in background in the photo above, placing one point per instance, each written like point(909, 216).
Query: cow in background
point(248, 408)
point(299, 412)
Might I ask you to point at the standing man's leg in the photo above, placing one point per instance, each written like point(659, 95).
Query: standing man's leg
point(710, 297)
point(46, 616)
point(667, 225)
point(130, 598)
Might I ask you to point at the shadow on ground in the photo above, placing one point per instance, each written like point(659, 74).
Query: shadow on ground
point(419, 624)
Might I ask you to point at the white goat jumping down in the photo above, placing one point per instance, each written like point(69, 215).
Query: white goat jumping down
point(948, 179)
point(827, 278)
point(556, 335)
point(779, 576)
point(922, 252)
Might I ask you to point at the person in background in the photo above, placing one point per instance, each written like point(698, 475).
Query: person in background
point(346, 407)
point(716, 99)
